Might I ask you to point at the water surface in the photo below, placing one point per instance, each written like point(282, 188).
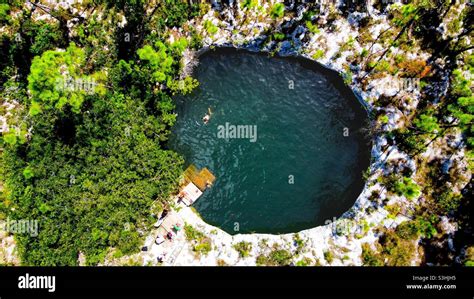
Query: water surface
point(300, 169)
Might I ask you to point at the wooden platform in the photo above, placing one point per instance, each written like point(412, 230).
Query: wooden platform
point(201, 179)
point(190, 193)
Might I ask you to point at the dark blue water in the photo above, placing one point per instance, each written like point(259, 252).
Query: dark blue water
point(291, 167)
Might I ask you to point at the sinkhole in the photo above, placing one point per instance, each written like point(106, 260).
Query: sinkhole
point(285, 139)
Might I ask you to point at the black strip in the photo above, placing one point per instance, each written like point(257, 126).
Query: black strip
point(222, 282)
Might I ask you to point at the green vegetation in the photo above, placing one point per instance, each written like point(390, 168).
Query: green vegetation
point(408, 188)
point(370, 257)
point(243, 248)
point(177, 12)
point(4, 12)
point(427, 123)
point(312, 28)
point(413, 229)
point(192, 233)
point(328, 256)
point(318, 54)
point(469, 257)
point(249, 4)
point(278, 36)
point(103, 191)
point(304, 262)
point(462, 101)
point(397, 247)
point(383, 119)
point(300, 243)
point(393, 251)
point(50, 88)
point(277, 10)
point(448, 201)
point(202, 244)
point(347, 76)
point(210, 27)
point(276, 257)
point(159, 61)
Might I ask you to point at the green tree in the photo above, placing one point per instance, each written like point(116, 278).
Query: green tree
point(159, 61)
point(427, 123)
point(56, 79)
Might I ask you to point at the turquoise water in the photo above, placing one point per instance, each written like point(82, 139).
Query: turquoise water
point(291, 167)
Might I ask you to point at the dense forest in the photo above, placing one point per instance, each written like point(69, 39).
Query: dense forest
point(87, 156)
point(86, 152)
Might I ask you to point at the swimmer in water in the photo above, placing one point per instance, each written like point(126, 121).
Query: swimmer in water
point(207, 117)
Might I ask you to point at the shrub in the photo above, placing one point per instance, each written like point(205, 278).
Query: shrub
point(407, 230)
point(280, 257)
point(427, 123)
point(347, 77)
point(210, 27)
point(299, 243)
point(383, 119)
point(192, 233)
point(277, 257)
point(370, 257)
point(304, 262)
point(243, 248)
point(196, 39)
point(409, 142)
point(261, 260)
point(278, 36)
point(393, 210)
point(203, 243)
point(364, 53)
point(204, 247)
point(408, 188)
point(28, 173)
point(4, 12)
point(448, 201)
point(328, 256)
point(277, 10)
point(312, 28)
point(384, 66)
point(469, 257)
point(395, 250)
point(423, 226)
point(318, 54)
